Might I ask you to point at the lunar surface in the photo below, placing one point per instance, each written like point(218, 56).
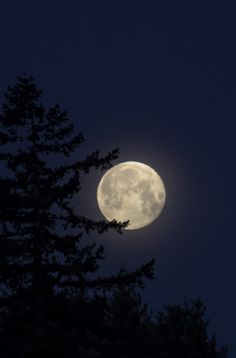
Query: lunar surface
point(131, 191)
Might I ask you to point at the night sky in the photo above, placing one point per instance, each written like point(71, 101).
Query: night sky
point(158, 80)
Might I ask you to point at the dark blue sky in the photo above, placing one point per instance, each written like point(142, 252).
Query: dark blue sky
point(159, 81)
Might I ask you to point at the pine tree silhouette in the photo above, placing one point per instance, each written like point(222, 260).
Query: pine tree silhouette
point(43, 265)
point(126, 328)
point(182, 331)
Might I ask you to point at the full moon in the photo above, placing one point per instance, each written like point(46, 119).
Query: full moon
point(131, 191)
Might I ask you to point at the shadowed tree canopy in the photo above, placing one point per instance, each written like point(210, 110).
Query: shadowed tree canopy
point(41, 255)
point(179, 331)
point(53, 302)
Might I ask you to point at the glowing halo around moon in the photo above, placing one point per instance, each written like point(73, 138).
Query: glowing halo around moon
point(131, 191)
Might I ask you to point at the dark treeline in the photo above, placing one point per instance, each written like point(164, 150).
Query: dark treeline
point(53, 302)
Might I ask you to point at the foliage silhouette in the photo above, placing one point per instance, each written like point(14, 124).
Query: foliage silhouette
point(42, 262)
point(179, 331)
point(53, 303)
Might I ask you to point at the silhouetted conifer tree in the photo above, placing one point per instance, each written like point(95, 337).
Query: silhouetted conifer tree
point(127, 329)
point(42, 264)
point(131, 330)
point(182, 332)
